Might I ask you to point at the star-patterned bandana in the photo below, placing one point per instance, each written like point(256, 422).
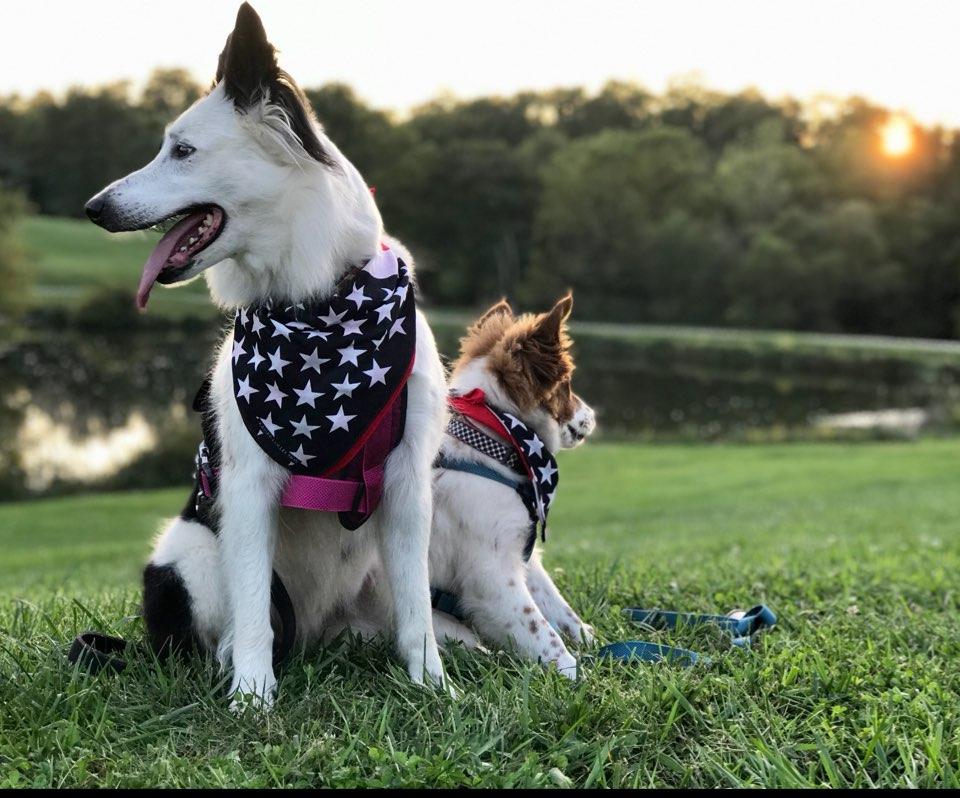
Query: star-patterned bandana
point(313, 380)
point(538, 462)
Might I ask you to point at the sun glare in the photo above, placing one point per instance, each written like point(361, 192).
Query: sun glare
point(897, 136)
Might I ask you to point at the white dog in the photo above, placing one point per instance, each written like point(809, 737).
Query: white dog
point(271, 212)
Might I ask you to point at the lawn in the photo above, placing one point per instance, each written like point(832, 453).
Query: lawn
point(69, 259)
point(855, 547)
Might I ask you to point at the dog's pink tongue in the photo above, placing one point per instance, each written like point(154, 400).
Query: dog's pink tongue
point(161, 254)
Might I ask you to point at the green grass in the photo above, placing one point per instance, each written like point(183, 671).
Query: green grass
point(856, 547)
point(70, 259)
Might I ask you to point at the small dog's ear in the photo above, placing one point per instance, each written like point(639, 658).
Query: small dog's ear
point(487, 330)
point(550, 326)
point(491, 324)
point(502, 308)
point(542, 351)
point(248, 63)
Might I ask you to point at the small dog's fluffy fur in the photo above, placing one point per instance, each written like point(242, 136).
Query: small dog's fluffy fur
point(480, 527)
point(297, 215)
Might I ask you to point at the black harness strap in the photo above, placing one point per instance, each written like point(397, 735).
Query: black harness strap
point(466, 432)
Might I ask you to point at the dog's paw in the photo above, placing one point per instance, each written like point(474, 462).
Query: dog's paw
point(587, 636)
point(579, 633)
point(252, 693)
point(451, 689)
point(567, 666)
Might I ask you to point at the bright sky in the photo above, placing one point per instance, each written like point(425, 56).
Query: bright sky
point(397, 53)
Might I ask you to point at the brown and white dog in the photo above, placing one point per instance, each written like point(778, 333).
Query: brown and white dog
point(481, 536)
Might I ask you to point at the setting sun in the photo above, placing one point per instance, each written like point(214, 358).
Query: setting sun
point(897, 136)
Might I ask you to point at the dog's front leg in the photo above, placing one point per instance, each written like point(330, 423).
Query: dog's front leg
point(503, 610)
point(404, 545)
point(248, 504)
point(249, 495)
point(553, 605)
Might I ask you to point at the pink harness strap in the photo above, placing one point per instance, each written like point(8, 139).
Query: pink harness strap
point(345, 495)
point(333, 495)
point(329, 494)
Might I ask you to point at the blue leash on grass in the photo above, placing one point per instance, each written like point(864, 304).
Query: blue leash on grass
point(742, 628)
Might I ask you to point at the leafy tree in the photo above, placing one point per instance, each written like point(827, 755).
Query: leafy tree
point(467, 209)
point(763, 175)
point(369, 138)
point(693, 207)
point(168, 93)
point(611, 222)
point(74, 147)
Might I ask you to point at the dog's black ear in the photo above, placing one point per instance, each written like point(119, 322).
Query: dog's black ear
point(249, 72)
point(248, 64)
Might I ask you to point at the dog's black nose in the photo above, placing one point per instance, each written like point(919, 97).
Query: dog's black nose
point(95, 207)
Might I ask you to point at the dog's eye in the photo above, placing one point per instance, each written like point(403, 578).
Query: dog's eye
point(182, 150)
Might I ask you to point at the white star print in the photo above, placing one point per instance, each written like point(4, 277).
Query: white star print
point(534, 446)
point(317, 334)
point(376, 344)
point(257, 358)
point(345, 388)
point(268, 423)
point(242, 315)
point(332, 318)
point(276, 395)
point(238, 350)
point(541, 509)
point(388, 292)
point(401, 292)
point(350, 355)
point(280, 329)
point(514, 422)
point(302, 456)
point(351, 327)
point(340, 421)
point(257, 324)
point(376, 374)
point(357, 296)
point(301, 427)
point(276, 362)
point(244, 391)
point(547, 472)
point(313, 362)
point(306, 395)
point(384, 311)
point(397, 327)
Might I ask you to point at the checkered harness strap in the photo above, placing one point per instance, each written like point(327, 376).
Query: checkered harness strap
point(466, 433)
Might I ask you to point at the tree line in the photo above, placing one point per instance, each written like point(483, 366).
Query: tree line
point(690, 207)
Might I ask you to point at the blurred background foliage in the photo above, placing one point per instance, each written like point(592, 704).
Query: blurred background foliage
point(678, 214)
point(691, 207)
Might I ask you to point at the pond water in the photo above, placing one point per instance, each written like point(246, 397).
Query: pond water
point(112, 409)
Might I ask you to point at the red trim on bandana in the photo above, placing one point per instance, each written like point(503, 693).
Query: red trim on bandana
point(387, 408)
point(473, 405)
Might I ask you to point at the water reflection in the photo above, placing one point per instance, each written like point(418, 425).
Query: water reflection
point(51, 451)
point(112, 410)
